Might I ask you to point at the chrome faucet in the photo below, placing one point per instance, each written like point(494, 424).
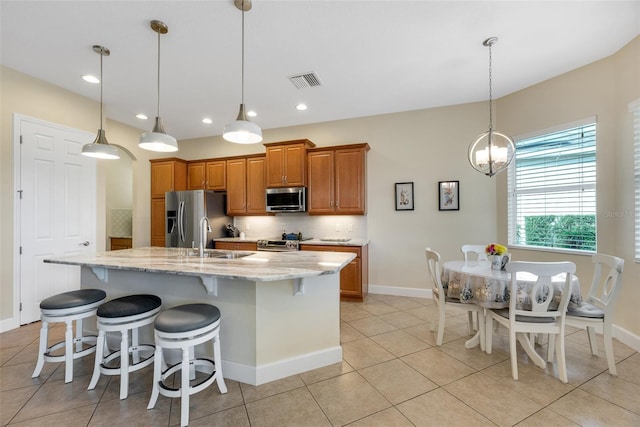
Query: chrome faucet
point(203, 234)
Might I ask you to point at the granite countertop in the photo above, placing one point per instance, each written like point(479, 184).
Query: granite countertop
point(255, 266)
point(336, 242)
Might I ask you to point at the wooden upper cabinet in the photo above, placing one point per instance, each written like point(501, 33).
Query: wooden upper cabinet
point(236, 186)
point(320, 197)
point(256, 188)
point(216, 174)
point(167, 175)
point(207, 175)
point(337, 180)
point(196, 175)
point(286, 163)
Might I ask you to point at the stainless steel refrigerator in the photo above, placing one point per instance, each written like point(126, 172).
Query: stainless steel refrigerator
point(185, 209)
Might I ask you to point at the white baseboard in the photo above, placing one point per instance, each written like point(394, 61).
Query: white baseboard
point(624, 336)
point(283, 368)
point(9, 324)
point(401, 292)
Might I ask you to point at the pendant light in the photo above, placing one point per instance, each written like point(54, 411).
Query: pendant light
point(100, 147)
point(242, 131)
point(492, 151)
point(157, 139)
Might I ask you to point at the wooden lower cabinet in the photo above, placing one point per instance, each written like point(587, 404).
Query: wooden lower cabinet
point(158, 233)
point(118, 243)
point(237, 246)
point(354, 277)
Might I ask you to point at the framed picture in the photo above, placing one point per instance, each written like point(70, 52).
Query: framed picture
point(404, 196)
point(449, 195)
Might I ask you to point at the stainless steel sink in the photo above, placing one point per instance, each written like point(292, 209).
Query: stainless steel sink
point(212, 253)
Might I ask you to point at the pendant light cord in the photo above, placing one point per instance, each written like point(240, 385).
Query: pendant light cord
point(490, 93)
point(242, 75)
point(101, 84)
point(158, 105)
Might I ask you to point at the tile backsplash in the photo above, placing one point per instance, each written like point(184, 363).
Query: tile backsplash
point(120, 223)
point(351, 226)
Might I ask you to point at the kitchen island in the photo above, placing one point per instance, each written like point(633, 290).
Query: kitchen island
point(280, 310)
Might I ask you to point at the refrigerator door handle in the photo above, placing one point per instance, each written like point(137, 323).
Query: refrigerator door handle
point(181, 221)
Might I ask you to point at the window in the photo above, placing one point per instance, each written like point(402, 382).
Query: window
point(635, 108)
point(552, 189)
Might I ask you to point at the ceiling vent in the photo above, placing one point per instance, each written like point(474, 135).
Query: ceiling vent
point(305, 80)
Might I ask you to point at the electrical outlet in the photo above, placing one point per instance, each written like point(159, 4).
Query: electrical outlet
point(349, 227)
point(338, 227)
point(248, 226)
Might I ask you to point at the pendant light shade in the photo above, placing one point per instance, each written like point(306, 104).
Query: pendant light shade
point(242, 131)
point(158, 140)
point(492, 151)
point(100, 148)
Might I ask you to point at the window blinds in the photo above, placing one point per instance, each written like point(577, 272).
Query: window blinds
point(552, 190)
point(635, 108)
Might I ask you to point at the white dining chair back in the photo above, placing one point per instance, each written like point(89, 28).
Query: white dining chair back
point(536, 315)
point(441, 300)
point(474, 253)
point(597, 309)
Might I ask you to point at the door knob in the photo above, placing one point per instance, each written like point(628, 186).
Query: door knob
point(85, 243)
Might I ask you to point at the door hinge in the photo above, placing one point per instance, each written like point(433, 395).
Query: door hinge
point(20, 192)
point(20, 139)
point(20, 250)
point(20, 306)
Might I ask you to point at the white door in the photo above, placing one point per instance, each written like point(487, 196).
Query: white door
point(56, 210)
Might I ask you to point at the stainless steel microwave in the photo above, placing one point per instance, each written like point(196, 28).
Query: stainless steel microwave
point(290, 199)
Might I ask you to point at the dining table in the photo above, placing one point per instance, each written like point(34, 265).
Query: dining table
point(475, 282)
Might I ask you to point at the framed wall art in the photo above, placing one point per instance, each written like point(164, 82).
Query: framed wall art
point(449, 195)
point(404, 196)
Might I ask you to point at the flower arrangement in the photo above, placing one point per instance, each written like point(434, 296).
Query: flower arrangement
point(495, 249)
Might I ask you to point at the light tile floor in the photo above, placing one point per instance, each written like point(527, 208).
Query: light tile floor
point(392, 374)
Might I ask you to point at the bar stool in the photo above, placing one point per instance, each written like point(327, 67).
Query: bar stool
point(67, 307)
point(183, 327)
point(122, 315)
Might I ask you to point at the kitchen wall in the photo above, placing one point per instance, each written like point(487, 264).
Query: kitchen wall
point(424, 147)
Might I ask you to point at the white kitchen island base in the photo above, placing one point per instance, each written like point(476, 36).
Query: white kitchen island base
point(269, 329)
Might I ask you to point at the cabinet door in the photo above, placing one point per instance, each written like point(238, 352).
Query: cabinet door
point(351, 279)
point(216, 175)
point(256, 189)
point(350, 181)
point(320, 196)
point(196, 176)
point(294, 165)
point(158, 232)
point(275, 166)
point(236, 186)
point(170, 175)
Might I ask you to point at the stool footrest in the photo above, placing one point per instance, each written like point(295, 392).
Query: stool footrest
point(115, 370)
point(91, 339)
point(206, 365)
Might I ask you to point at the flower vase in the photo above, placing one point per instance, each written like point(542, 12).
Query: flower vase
point(496, 262)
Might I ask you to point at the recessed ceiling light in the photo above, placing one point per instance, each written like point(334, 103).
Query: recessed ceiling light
point(91, 79)
point(251, 113)
point(142, 116)
point(207, 121)
point(301, 107)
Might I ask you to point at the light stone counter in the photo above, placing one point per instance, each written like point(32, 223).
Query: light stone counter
point(280, 310)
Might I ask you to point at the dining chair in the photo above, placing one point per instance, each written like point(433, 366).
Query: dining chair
point(534, 316)
point(443, 301)
point(597, 309)
point(474, 253)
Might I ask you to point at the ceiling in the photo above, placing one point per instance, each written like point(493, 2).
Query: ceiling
point(371, 57)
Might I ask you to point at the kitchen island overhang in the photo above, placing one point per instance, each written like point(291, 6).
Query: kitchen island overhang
point(280, 311)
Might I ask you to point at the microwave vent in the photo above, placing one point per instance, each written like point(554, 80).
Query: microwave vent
point(305, 80)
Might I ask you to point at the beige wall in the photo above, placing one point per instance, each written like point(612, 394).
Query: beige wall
point(604, 90)
point(424, 147)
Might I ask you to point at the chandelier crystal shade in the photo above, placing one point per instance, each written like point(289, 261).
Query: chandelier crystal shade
point(492, 151)
point(242, 131)
point(158, 140)
point(100, 147)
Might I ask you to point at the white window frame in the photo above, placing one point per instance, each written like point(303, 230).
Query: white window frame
point(634, 107)
point(511, 195)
